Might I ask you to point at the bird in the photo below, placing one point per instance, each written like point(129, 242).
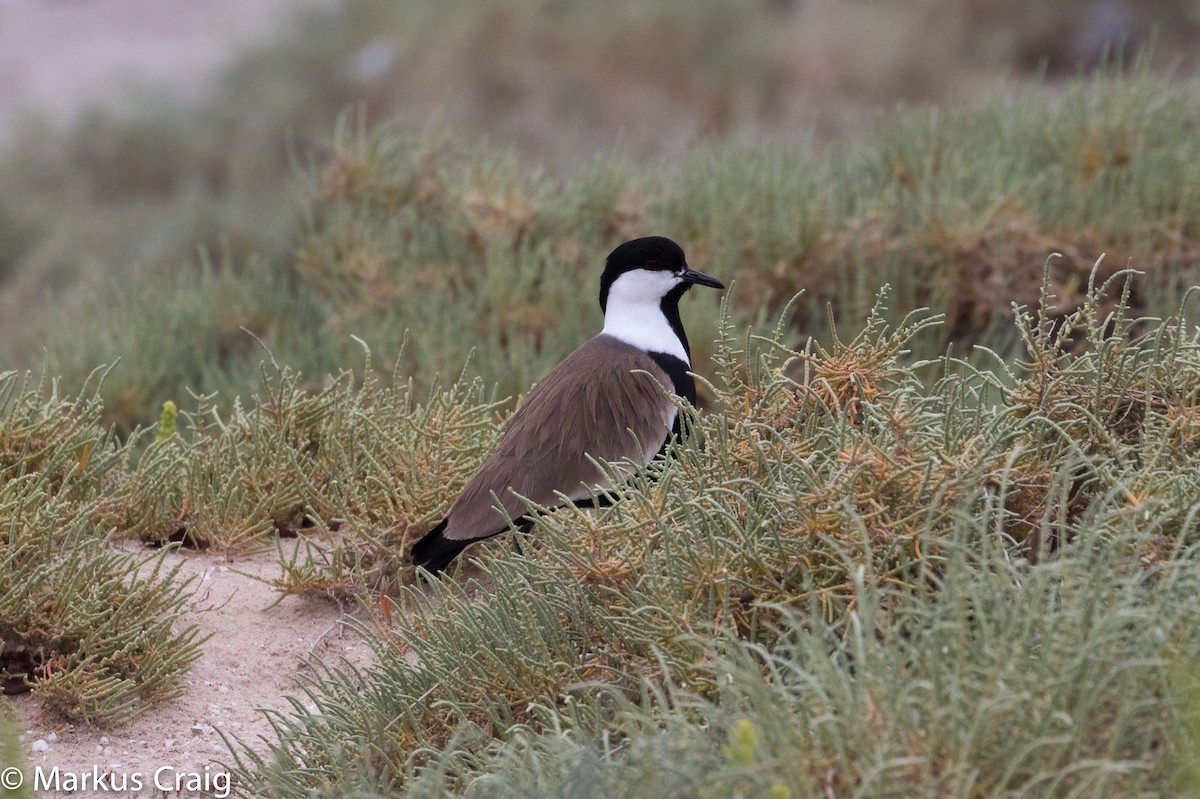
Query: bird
point(603, 402)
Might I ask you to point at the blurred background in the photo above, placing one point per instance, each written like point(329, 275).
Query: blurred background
point(560, 77)
point(148, 142)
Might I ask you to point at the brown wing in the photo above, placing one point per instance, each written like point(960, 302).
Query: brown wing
point(587, 405)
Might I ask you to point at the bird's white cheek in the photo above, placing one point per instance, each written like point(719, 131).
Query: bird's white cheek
point(642, 286)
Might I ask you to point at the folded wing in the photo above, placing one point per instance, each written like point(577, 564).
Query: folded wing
point(605, 400)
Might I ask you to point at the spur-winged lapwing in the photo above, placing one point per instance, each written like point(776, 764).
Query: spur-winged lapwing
point(604, 402)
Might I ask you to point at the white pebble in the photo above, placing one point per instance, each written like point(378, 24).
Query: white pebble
point(224, 689)
point(52, 737)
point(40, 745)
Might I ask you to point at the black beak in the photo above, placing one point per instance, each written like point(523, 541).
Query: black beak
point(690, 275)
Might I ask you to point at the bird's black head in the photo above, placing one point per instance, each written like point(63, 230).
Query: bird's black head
point(656, 255)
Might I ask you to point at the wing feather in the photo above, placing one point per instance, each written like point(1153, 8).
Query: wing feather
point(604, 400)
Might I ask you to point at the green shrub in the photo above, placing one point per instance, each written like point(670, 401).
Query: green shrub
point(481, 256)
point(90, 628)
point(969, 585)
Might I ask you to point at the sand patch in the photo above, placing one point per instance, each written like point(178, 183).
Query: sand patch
point(256, 657)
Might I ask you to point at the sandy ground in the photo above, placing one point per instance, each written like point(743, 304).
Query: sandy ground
point(255, 658)
point(57, 56)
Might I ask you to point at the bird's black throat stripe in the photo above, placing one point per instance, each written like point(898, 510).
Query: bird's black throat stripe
point(670, 309)
point(676, 368)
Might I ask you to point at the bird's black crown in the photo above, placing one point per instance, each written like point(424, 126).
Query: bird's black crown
point(652, 252)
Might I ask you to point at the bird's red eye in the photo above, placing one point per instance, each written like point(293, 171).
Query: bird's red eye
point(652, 265)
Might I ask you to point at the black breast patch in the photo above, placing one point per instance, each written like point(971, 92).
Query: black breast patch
point(682, 383)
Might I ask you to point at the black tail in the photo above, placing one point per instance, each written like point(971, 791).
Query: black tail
point(434, 551)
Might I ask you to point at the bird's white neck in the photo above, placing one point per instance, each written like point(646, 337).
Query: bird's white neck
point(634, 314)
